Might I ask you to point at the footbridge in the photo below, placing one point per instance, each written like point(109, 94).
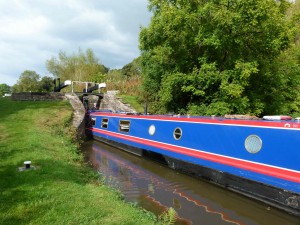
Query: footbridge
point(95, 100)
point(89, 86)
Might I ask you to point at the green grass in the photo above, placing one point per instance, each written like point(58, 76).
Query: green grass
point(132, 100)
point(62, 189)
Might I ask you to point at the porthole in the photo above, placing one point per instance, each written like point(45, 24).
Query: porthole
point(177, 133)
point(151, 130)
point(253, 144)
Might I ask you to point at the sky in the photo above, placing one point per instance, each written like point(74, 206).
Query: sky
point(34, 31)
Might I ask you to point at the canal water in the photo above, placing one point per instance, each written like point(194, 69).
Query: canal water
point(157, 188)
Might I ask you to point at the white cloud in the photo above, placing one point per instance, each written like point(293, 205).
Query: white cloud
point(33, 31)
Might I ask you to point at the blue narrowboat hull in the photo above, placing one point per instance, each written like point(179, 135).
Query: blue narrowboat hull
point(259, 159)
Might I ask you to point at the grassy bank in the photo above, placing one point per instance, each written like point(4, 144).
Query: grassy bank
point(132, 100)
point(61, 190)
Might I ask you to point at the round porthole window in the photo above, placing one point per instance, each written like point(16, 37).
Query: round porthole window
point(177, 133)
point(151, 130)
point(253, 144)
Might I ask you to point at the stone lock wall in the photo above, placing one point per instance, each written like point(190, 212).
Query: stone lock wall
point(37, 96)
point(110, 101)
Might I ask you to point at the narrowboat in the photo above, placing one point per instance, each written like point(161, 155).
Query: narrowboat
point(257, 158)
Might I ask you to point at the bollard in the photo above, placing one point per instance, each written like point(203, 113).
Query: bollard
point(27, 164)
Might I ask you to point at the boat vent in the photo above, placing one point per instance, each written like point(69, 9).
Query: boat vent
point(124, 126)
point(177, 133)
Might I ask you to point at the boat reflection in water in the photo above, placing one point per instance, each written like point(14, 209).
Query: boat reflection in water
point(157, 188)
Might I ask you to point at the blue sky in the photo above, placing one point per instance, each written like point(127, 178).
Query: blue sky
point(33, 31)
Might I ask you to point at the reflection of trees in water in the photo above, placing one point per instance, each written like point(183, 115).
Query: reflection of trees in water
point(152, 192)
point(104, 162)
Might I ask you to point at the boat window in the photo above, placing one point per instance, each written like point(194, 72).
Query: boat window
point(124, 126)
point(177, 133)
point(104, 123)
point(93, 121)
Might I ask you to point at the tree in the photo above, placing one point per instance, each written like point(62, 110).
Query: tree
point(4, 89)
point(287, 66)
point(132, 69)
point(46, 84)
point(76, 67)
point(214, 57)
point(27, 82)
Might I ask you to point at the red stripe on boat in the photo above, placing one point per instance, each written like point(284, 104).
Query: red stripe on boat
point(210, 120)
point(278, 172)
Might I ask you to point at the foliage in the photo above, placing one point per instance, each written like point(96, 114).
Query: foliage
point(132, 68)
point(287, 68)
point(46, 84)
point(216, 57)
point(27, 82)
point(130, 85)
point(4, 89)
point(294, 16)
point(30, 81)
point(77, 67)
point(168, 217)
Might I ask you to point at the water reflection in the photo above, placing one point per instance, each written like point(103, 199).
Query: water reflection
point(156, 188)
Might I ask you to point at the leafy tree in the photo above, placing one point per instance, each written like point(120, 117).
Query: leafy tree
point(4, 89)
point(27, 82)
point(287, 66)
point(215, 57)
point(46, 84)
point(77, 67)
point(132, 69)
point(30, 81)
